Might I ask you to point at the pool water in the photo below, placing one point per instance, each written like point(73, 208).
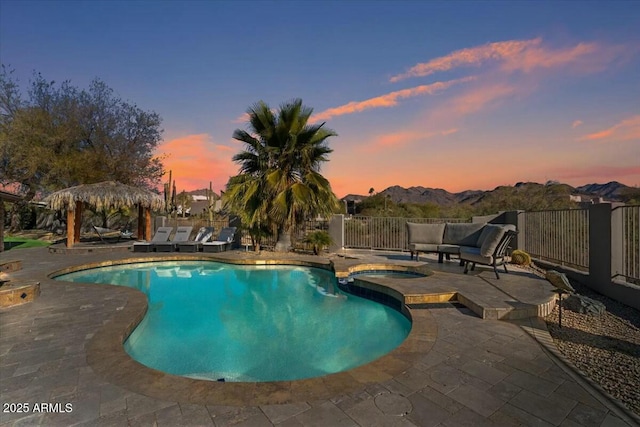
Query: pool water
point(215, 321)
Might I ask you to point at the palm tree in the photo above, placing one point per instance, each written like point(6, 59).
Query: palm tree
point(280, 184)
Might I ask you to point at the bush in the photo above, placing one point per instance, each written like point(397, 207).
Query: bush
point(318, 240)
point(520, 257)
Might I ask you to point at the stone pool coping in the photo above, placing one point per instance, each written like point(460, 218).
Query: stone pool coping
point(108, 359)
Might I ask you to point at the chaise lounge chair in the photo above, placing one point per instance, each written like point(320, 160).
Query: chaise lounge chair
point(195, 245)
point(102, 234)
point(182, 235)
point(162, 235)
point(223, 242)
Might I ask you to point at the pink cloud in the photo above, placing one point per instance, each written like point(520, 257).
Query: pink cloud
point(224, 148)
point(387, 100)
point(195, 160)
point(605, 173)
point(477, 98)
point(576, 123)
point(244, 118)
point(626, 130)
point(474, 56)
point(522, 55)
point(472, 100)
point(401, 139)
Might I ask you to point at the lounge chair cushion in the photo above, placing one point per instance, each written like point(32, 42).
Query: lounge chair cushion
point(181, 236)
point(462, 234)
point(425, 233)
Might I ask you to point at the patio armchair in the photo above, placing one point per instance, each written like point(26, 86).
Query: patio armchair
point(493, 251)
point(162, 235)
point(182, 235)
point(223, 242)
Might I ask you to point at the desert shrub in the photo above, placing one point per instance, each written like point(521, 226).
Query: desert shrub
point(520, 257)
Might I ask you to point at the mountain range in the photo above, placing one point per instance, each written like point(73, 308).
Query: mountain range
point(610, 191)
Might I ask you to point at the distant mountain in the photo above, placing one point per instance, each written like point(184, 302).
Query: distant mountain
point(520, 191)
point(438, 196)
point(609, 191)
point(203, 192)
point(354, 197)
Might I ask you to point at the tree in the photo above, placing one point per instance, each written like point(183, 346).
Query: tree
point(85, 136)
point(184, 202)
point(280, 184)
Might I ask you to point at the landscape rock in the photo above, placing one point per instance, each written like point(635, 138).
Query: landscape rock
point(559, 280)
point(584, 305)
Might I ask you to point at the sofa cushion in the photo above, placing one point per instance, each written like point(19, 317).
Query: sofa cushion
point(465, 234)
point(449, 249)
point(492, 236)
point(423, 247)
point(425, 233)
point(473, 254)
point(483, 234)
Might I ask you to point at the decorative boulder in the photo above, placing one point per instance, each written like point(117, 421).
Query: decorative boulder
point(559, 280)
point(584, 305)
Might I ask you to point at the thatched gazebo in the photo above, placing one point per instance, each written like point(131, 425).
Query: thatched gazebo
point(104, 195)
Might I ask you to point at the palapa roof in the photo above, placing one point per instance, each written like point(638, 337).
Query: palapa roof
point(9, 197)
point(104, 195)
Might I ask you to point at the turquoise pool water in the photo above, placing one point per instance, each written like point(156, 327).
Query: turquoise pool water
point(212, 320)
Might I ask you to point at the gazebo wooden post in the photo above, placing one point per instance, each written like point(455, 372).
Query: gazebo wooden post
point(78, 221)
point(1, 225)
point(147, 224)
point(10, 198)
point(141, 235)
point(71, 228)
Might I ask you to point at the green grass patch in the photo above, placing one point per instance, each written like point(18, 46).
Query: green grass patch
point(20, 243)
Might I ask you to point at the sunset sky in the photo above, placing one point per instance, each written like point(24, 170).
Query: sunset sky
point(455, 95)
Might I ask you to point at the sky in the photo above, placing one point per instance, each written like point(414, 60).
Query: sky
point(455, 95)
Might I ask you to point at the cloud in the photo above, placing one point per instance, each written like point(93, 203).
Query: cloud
point(576, 123)
point(474, 56)
point(626, 130)
point(401, 139)
point(244, 118)
point(477, 98)
point(521, 55)
point(195, 160)
point(608, 173)
point(389, 100)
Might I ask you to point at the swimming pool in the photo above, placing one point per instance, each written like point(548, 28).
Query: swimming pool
point(211, 320)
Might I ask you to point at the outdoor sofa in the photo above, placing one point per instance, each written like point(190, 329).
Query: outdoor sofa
point(477, 243)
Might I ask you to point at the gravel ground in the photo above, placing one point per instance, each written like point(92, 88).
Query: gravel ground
point(605, 348)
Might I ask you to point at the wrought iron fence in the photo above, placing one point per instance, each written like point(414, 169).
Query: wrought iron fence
point(629, 250)
point(388, 233)
point(558, 236)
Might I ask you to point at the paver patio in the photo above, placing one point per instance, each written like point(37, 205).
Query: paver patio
point(457, 368)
